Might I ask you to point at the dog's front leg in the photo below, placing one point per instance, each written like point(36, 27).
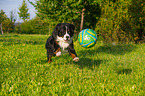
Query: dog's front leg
point(76, 59)
point(58, 52)
point(73, 54)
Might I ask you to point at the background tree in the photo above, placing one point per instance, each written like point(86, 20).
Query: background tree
point(65, 11)
point(137, 18)
point(23, 14)
point(121, 21)
point(12, 16)
point(8, 26)
point(2, 18)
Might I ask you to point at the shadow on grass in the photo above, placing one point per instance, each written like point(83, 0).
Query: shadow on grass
point(93, 63)
point(15, 41)
point(10, 36)
point(124, 71)
point(1, 82)
point(118, 49)
point(82, 63)
point(109, 49)
point(42, 61)
point(89, 63)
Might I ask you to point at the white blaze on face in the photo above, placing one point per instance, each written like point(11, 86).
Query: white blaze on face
point(66, 36)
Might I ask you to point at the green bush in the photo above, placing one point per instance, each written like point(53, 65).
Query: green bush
point(26, 27)
point(8, 26)
point(115, 21)
point(119, 22)
point(34, 26)
point(137, 18)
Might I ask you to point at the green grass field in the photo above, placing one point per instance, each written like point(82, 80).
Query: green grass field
point(103, 70)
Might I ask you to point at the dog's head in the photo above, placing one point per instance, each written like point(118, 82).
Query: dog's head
point(63, 32)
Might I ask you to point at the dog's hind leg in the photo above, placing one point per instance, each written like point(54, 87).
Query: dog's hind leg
point(48, 57)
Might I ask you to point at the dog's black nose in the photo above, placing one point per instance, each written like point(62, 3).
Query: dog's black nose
point(67, 37)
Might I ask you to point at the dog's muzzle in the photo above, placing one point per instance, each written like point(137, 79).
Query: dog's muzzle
point(66, 38)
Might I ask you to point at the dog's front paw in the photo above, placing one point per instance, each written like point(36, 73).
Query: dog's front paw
point(58, 54)
point(76, 59)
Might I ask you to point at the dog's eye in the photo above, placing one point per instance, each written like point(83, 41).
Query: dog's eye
point(59, 34)
point(68, 31)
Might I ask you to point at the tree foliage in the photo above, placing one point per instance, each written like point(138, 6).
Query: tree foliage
point(12, 16)
point(34, 26)
point(115, 21)
point(23, 14)
point(66, 10)
point(2, 18)
point(121, 21)
point(8, 26)
point(136, 12)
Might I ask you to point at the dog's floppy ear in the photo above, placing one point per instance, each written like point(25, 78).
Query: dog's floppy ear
point(55, 32)
point(72, 27)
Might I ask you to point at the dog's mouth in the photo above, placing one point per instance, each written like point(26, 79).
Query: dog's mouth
point(66, 40)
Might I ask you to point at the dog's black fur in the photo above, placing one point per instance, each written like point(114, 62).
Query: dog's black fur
point(53, 45)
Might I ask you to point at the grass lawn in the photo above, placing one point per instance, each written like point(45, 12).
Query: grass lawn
point(102, 70)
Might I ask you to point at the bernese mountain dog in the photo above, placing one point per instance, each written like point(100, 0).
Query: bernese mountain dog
point(61, 41)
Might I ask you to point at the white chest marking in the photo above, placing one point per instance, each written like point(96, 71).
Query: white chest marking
point(63, 44)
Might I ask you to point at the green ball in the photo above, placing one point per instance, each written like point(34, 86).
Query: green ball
point(87, 38)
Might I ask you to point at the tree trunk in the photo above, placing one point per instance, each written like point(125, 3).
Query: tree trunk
point(1, 29)
point(82, 19)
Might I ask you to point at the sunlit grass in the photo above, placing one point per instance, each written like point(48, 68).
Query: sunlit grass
point(102, 69)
